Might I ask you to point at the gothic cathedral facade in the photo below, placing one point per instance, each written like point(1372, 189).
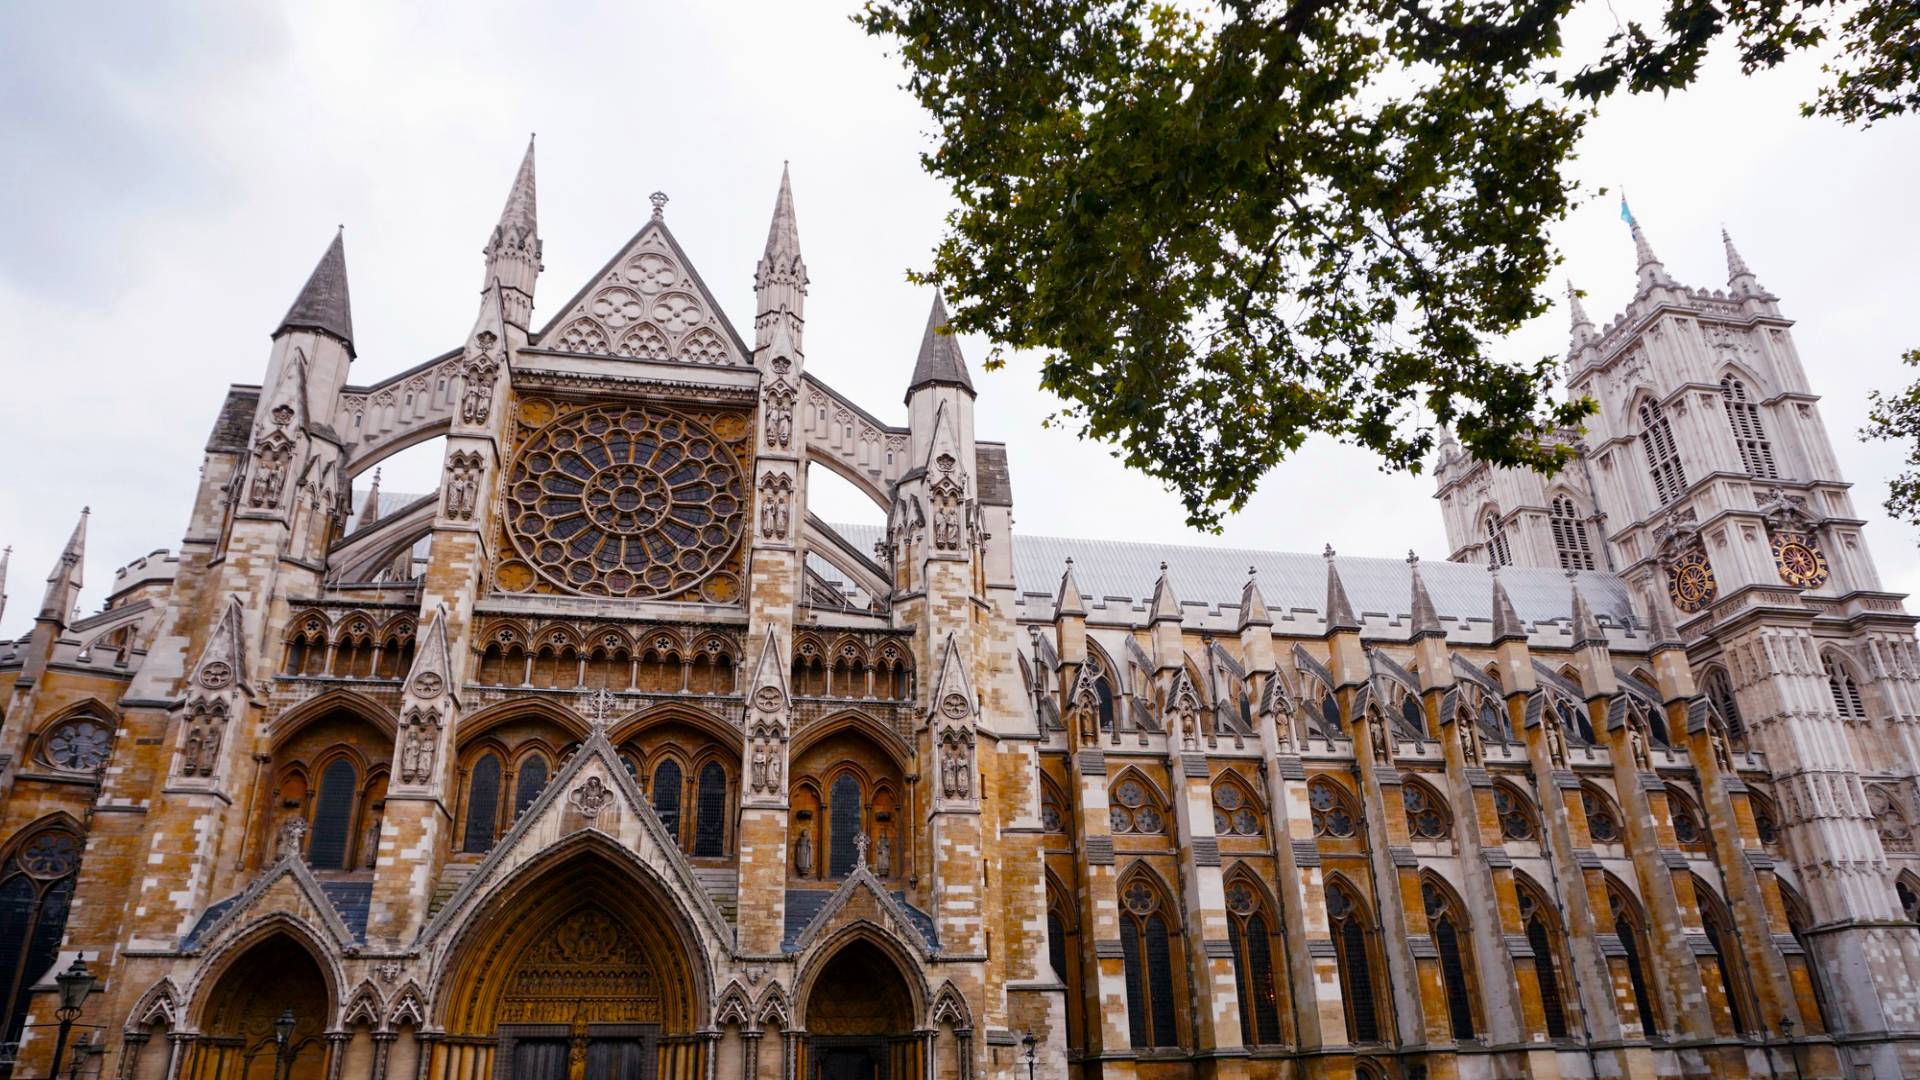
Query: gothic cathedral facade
point(609, 759)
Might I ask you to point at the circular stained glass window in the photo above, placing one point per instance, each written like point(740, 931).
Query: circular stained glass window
point(79, 744)
point(625, 501)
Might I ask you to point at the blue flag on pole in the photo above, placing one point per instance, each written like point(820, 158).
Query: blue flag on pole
point(1626, 215)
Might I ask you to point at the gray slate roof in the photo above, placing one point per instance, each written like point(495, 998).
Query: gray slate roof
point(1119, 575)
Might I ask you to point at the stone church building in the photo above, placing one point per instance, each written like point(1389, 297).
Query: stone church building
point(608, 759)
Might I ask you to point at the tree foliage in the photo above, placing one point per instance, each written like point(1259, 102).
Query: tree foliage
point(1897, 419)
point(1227, 229)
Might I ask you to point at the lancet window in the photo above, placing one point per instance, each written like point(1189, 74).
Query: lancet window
point(1449, 929)
point(1499, 553)
point(1749, 432)
point(1631, 926)
point(1570, 535)
point(1353, 943)
point(1146, 944)
point(1543, 936)
point(1663, 459)
point(1847, 700)
point(1251, 926)
point(36, 891)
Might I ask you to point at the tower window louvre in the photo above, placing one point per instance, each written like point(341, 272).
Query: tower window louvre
point(1570, 536)
point(1847, 700)
point(1663, 460)
point(1749, 433)
point(1498, 552)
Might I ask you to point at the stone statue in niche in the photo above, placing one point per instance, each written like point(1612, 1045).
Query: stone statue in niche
point(270, 461)
point(956, 772)
point(200, 750)
point(946, 526)
point(419, 746)
point(776, 511)
point(780, 416)
point(370, 846)
point(463, 483)
point(883, 855)
point(476, 397)
point(293, 836)
point(759, 766)
point(803, 852)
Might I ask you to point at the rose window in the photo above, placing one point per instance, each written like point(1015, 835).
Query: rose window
point(1231, 814)
point(50, 855)
point(79, 744)
point(1133, 812)
point(625, 501)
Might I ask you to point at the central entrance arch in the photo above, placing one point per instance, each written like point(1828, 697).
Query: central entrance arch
point(580, 970)
point(859, 1018)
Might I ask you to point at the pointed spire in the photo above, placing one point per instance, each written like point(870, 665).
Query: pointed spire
point(63, 583)
point(513, 252)
point(1339, 609)
point(1664, 634)
point(770, 671)
point(1506, 621)
point(1068, 600)
point(1582, 327)
point(940, 362)
point(1586, 629)
point(432, 671)
point(1652, 272)
point(1740, 279)
point(1253, 606)
point(1165, 606)
point(323, 304)
point(519, 219)
point(783, 234)
point(1426, 620)
point(370, 510)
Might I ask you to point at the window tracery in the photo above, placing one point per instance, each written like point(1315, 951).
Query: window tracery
point(77, 744)
point(1516, 813)
point(1147, 959)
point(36, 892)
point(626, 501)
point(1234, 810)
point(1352, 938)
point(1544, 937)
point(1631, 929)
point(1332, 810)
point(1427, 814)
point(1134, 810)
point(1603, 821)
point(1249, 924)
point(1449, 929)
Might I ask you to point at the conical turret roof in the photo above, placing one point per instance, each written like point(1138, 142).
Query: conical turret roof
point(940, 362)
point(323, 304)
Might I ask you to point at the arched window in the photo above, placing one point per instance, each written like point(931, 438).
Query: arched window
point(843, 825)
point(1250, 931)
point(1632, 931)
point(1603, 818)
point(483, 803)
point(1064, 955)
point(1333, 811)
point(1846, 692)
point(1543, 936)
point(1235, 813)
point(77, 744)
point(1733, 979)
point(1908, 892)
point(532, 781)
point(1147, 951)
point(1570, 536)
point(1494, 723)
point(666, 796)
point(1053, 807)
point(1766, 819)
point(332, 835)
point(36, 890)
point(1663, 460)
point(1498, 553)
point(710, 831)
point(1135, 810)
point(1352, 943)
point(1449, 929)
point(1799, 921)
point(1749, 434)
point(1518, 821)
point(1427, 814)
point(1688, 827)
point(1719, 691)
point(1575, 724)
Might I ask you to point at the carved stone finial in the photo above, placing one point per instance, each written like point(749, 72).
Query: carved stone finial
point(1328, 553)
point(1413, 558)
point(601, 706)
point(659, 201)
point(860, 843)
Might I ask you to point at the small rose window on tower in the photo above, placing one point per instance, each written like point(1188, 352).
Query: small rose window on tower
point(78, 744)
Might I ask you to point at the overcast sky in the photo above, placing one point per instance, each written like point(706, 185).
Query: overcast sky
point(172, 171)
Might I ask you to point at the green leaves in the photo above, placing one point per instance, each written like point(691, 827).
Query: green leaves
point(1225, 230)
point(1897, 419)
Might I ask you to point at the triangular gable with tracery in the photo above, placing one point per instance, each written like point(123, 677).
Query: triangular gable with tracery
point(592, 793)
point(647, 303)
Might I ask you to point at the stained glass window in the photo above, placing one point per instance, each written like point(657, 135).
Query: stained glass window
point(1331, 810)
point(36, 891)
point(1545, 963)
point(1133, 810)
point(1426, 814)
point(327, 845)
point(1603, 825)
point(78, 745)
point(483, 803)
point(533, 780)
point(666, 796)
point(1453, 973)
point(710, 831)
point(1516, 815)
point(843, 825)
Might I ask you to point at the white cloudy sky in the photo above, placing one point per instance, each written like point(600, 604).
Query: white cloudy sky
point(173, 170)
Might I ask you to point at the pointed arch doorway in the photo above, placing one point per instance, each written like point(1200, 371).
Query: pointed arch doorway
point(581, 972)
point(859, 1018)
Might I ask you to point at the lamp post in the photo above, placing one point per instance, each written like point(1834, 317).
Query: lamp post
point(1793, 1049)
point(282, 1036)
point(75, 984)
point(1031, 1045)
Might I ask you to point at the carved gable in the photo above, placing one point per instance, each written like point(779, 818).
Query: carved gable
point(647, 304)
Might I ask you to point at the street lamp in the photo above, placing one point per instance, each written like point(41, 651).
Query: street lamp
point(1793, 1049)
point(282, 1035)
point(1032, 1046)
point(75, 984)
